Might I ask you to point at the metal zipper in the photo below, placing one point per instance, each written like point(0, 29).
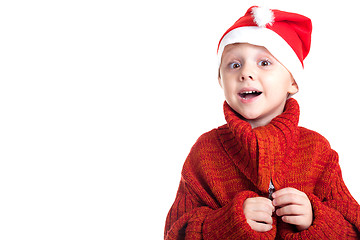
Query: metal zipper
point(271, 189)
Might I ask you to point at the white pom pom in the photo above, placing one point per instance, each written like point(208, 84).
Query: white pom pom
point(262, 16)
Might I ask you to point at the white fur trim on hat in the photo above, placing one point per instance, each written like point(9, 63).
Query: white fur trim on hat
point(262, 16)
point(269, 39)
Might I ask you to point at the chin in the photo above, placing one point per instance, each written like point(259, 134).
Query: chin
point(248, 113)
point(250, 116)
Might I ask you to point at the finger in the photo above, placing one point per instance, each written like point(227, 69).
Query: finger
point(295, 220)
point(260, 200)
point(260, 204)
point(262, 217)
point(267, 208)
point(290, 210)
point(301, 222)
point(263, 208)
point(285, 191)
point(287, 199)
point(259, 227)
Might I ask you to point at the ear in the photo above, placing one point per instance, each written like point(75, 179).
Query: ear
point(293, 88)
point(220, 80)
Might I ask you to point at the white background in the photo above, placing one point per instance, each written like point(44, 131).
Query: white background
point(101, 101)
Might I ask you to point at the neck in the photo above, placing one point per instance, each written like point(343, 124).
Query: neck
point(258, 122)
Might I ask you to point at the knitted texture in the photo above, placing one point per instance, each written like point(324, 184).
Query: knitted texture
point(234, 162)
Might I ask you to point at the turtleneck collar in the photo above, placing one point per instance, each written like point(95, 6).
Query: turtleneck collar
point(263, 153)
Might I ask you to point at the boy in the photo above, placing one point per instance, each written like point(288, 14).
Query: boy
point(260, 176)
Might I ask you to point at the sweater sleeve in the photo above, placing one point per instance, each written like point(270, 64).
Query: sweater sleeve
point(336, 212)
point(196, 212)
point(189, 219)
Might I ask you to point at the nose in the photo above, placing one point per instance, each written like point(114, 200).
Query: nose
point(246, 77)
point(247, 72)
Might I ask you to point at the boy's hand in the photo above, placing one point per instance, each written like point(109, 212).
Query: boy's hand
point(294, 207)
point(258, 212)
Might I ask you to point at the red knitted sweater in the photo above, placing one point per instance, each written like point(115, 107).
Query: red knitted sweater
point(234, 162)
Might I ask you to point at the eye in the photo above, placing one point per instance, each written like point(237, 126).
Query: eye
point(235, 65)
point(264, 63)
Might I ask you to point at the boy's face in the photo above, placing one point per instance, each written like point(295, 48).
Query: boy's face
point(255, 84)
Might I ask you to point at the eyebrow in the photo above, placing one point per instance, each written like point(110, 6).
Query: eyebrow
point(258, 54)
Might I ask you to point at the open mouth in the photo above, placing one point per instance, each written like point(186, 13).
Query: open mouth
point(249, 94)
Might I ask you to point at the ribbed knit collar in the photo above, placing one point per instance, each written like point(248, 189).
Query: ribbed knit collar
point(263, 153)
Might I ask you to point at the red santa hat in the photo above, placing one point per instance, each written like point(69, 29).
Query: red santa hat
point(287, 36)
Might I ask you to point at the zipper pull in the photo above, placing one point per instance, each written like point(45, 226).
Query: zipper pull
point(271, 190)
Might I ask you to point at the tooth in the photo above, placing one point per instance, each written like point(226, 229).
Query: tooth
point(249, 92)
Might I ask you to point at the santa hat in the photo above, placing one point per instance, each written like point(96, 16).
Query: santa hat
point(287, 36)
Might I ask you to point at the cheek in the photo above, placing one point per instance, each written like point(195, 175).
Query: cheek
point(229, 87)
point(277, 85)
point(228, 81)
